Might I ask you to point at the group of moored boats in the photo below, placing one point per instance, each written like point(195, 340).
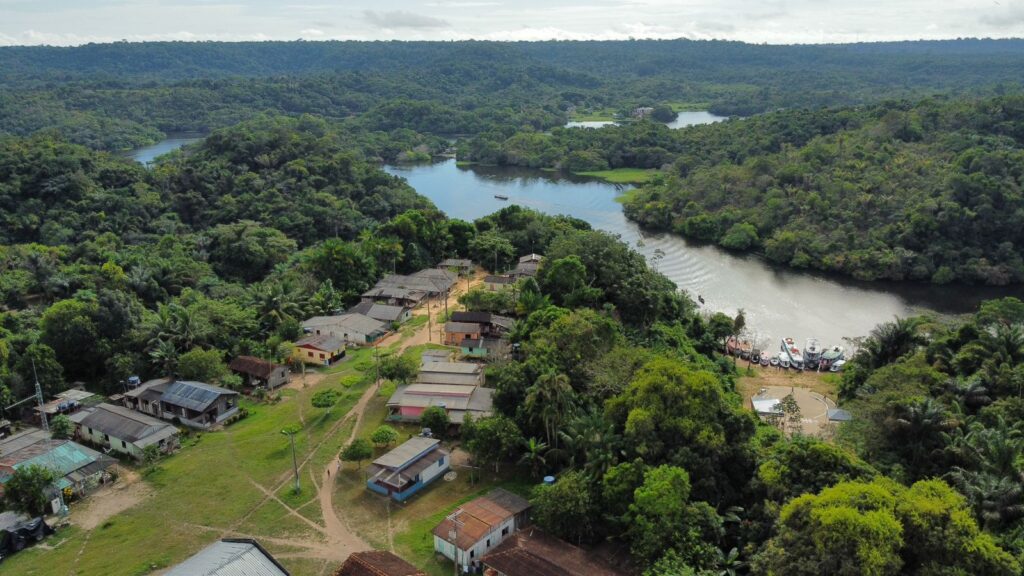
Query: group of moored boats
point(812, 357)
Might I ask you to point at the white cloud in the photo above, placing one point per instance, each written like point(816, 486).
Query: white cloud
point(402, 19)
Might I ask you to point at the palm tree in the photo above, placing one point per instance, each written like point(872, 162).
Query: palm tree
point(533, 457)
point(728, 563)
point(276, 303)
point(164, 356)
point(892, 340)
point(996, 500)
point(551, 398)
point(920, 428)
point(591, 441)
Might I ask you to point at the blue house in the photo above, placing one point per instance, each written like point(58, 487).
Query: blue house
point(408, 468)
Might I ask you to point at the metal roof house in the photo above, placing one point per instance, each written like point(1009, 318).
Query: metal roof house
point(480, 525)
point(352, 328)
point(122, 430)
point(194, 404)
point(382, 312)
point(460, 265)
point(408, 402)
point(78, 467)
point(230, 557)
point(405, 470)
point(259, 373)
point(377, 563)
point(320, 349)
point(531, 552)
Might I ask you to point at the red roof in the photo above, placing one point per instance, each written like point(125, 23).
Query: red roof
point(253, 366)
point(377, 563)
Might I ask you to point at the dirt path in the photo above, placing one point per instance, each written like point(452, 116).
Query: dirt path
point(112, 500)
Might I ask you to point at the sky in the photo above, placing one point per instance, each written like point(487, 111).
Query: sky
point(72, 22)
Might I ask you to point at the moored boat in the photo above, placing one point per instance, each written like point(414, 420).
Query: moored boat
point(792, 353)
point(764, 360)
point(784, 361)
point(501, 197)
point(774, 361)
point(830, 357)
point(812, 352)
point(755, 356)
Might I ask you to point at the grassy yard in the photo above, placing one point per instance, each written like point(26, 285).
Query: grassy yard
point(214, 486)
point(622, 175)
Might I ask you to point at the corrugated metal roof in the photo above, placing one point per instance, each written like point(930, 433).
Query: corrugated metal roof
point(230, 558)
point(125, 424)
point(407, 452)
point(451, 367)
point(196, 396)
point(441, 378)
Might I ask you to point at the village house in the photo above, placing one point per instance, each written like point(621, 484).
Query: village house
point(408, 402)
point(405, 470)
point(230, 557)
point(67, 402)
point(490, 324)
point(394, 296)
point(377, 563)
point(528, 266)
point(385, 313)
point(497, 283)
point(456, 332)
point(444, 372)
point(479, 526)
point(461, 266)
point(194, 404)
point(319, 349)
point(259, 373)
point(79, 468)
point(531, 552)
point(119, 429)
point(354, 329)
point(642, 112)
point(484, 348)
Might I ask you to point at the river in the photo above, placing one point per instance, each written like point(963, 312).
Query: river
point(684, 119)
point(777, 301)
point(147, 154)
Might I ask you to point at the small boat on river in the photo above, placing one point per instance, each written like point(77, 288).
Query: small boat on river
point(774, 361)
point(501, 197)
point(764, 360)
point(812, 353)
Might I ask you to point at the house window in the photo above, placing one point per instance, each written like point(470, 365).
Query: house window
point(488, 542)
point(310, 354)
point(472, 553)
point(441, 461)
point(106, 438)
point(123, 445)
point(504, 531)
point(321, 356)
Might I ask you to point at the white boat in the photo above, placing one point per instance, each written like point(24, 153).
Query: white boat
point(792, 353)
point(812, 352)
point(837, 366)
point(784, 361)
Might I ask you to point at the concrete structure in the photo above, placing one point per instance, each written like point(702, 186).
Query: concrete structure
point(126, 431)
point(259, 373)
point(479, 526)
point(230, 557)
point(352, 328)
point(320, 349)
point(194, 404)
point(385, 313)
point(377, 563)
point(484, 348)
point(531, 552)
point(79, 468)
point(405, 470)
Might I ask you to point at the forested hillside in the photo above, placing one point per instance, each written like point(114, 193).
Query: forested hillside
point(113, 96)
point(928, 191)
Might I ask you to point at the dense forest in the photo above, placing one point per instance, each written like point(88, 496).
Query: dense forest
point(114, 96)
point(929, 191)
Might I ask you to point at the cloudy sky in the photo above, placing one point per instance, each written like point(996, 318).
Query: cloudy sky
point(775, 21)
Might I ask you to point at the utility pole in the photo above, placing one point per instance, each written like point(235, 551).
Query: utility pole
point(63, 511)
point(295, 464)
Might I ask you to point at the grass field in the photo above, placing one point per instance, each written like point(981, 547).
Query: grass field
point(211, 487)
point(622, 175)
point(601, 115)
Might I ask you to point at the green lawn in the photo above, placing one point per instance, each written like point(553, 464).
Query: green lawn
point(622, 175)
point(600, 115)
point(208, 488)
